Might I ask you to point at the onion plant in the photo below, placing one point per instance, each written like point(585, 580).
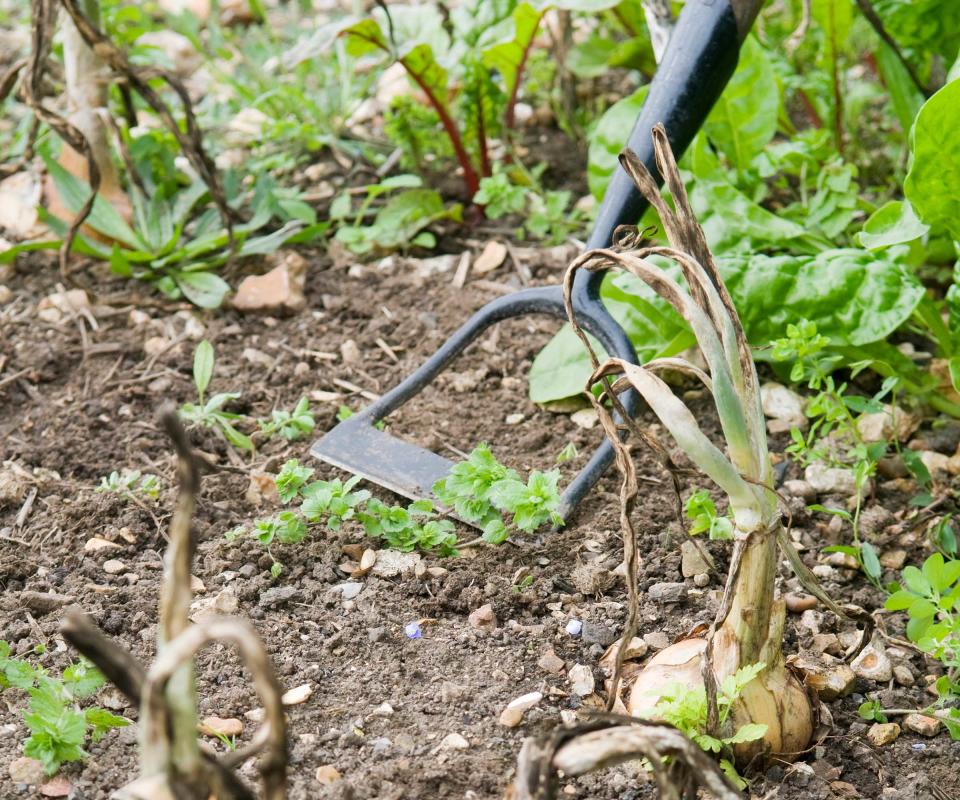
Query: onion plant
point(749, 627)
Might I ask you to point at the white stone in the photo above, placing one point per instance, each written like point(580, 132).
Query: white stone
point(512, 715)
point(830, 480)
point(581, 680)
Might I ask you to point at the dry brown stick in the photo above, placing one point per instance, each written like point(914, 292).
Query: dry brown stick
point(242, 635)
point(611, 739)
point(129, 676)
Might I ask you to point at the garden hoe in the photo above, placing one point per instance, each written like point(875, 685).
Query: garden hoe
point(696, 65)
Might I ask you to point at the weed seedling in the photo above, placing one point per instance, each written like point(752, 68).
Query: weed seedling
point(702, 513)
point(291, 425)
point(686, 710)
point(130, 483)
point(334, 500)
point(58, 727)
point(481, 490)
point(210, 413)
point(291, 478)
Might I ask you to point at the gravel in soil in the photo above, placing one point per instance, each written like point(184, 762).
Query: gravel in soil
point(87, 405)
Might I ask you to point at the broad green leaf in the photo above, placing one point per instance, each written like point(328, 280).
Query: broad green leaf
point(747, 733)
point(893, 223)
point(915, 581)
point(203, 289)
point(900, 601)
point(609, 137)
point(732, 222)
point(509, 55)
point(103, 217)
point(561, 368)
point(854, 297)
point(202, 367)
point(933, 183)
point(745, 117)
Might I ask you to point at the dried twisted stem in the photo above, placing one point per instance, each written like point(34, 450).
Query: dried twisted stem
point(612, 739)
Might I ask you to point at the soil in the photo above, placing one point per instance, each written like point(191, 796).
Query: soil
point(87, 405)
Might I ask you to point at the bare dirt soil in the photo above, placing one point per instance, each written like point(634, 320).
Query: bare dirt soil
point(87, 405)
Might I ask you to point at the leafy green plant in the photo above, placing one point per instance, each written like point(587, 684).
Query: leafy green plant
point(702, 513)
point(291, 479)
point(545, 213)
point(334, 500)
point(931, 597)
point(400, 222)
point(291, 425)
point(131, 482)
point(410, 528)
point(173, 244)
point(686, 710)
point(481, 490)
point(58, 727)
point(210, 413)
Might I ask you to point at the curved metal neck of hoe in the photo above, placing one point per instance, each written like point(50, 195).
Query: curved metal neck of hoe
point(697, 64)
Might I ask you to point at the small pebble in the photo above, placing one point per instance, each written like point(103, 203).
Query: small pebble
point(413, 630)
point(574, 627)
point(114, 567)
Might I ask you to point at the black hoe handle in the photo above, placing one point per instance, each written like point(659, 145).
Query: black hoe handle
point(697, 63)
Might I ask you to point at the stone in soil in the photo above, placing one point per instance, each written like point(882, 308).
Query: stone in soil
point(297, 695)
point(551, 662)
point(656, 640)
point(784, 407)
point(58, 786)
point(391, 563)
point(830, 480)
point(922, 724)
point(800, 489)
point(280, 289)
point(873, 664)
point(830, 682)
point(512, 715)
point(26, 770)
point(277, 596)
point(581, 680)
point(667, 592)
point(327, 774)
point(903, 675)
point(114, 567)
point(883, 733)
point(483, 618)
point(218, 726)
point(453, 741)
point(692, 561)
point(597, 633)
point(797, 602)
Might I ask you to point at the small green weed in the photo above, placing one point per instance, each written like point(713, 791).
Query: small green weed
point(702, 513)
point(130, 483)
point(210, 413)
point(931, 597)
point(401, 222)
point(291, 425)
point(58, 727)
point(481, 490)
point(686, 710)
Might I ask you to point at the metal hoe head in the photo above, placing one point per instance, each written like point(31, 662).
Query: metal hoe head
point(699, 60)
